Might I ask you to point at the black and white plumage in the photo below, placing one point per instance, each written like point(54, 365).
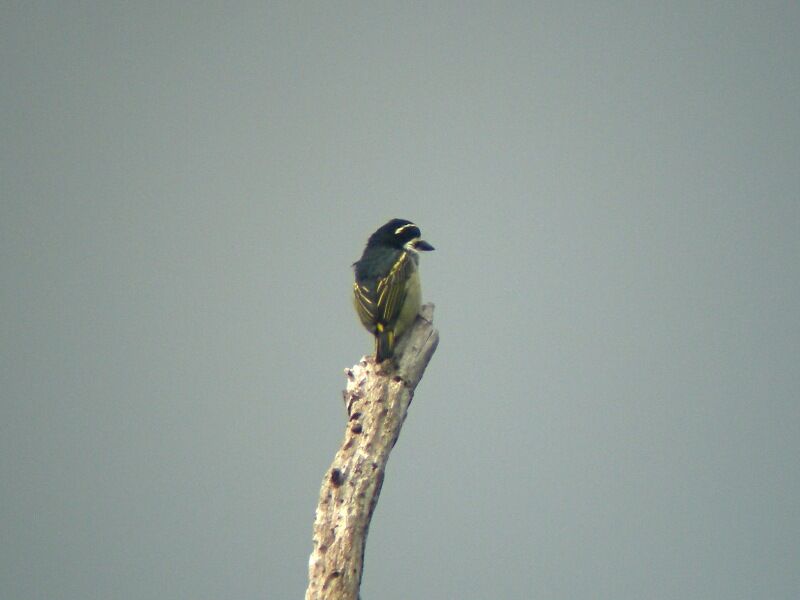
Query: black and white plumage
point(387, 292)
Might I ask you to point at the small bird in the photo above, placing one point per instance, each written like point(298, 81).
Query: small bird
point(387, 288)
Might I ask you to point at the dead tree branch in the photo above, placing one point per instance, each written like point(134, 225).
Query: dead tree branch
point(377, 399)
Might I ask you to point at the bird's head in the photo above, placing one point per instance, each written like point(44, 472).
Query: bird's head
point(400, 234)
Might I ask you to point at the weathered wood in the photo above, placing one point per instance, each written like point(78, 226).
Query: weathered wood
point(377, 399)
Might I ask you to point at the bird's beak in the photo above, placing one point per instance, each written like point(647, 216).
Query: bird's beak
point(423, 245)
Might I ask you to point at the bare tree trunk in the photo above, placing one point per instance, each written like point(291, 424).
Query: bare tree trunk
point(377, 399)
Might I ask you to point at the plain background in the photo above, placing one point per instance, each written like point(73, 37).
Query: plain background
point(613, 190)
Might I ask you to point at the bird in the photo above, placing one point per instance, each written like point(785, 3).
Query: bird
point(387, 292)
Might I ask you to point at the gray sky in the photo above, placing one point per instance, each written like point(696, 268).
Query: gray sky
point(614, 194)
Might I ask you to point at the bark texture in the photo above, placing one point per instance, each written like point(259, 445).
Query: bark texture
point(377, 399)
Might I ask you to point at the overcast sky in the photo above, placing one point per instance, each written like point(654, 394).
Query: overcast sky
point(613, 190)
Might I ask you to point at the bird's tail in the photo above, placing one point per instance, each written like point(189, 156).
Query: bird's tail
point(384, 344)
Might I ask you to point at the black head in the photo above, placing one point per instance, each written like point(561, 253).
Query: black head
point(398, 233)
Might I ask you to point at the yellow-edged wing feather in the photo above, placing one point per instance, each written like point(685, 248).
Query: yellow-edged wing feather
point(365, 305)
point(380, 307)
point(392, 289)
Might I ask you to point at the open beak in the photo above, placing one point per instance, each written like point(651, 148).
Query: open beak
point(423, 245)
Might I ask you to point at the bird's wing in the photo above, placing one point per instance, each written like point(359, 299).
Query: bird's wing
point(391, 290)
point(380, 300)
point(365, 303)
